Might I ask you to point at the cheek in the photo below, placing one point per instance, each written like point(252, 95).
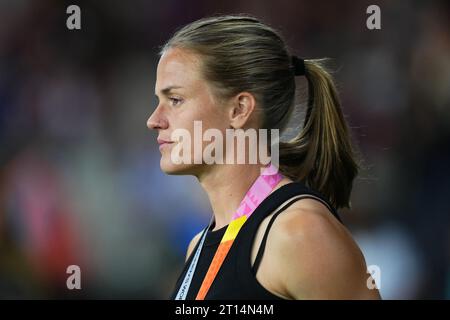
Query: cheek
point(196, 117)
point(204, 111)
point(214, 117)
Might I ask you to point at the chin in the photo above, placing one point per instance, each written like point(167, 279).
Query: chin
point(168, 167)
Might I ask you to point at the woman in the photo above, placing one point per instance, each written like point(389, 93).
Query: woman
point(235, 73)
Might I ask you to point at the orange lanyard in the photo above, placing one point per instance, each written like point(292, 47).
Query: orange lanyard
point(261, 188)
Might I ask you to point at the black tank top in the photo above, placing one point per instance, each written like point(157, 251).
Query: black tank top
point(236, 278)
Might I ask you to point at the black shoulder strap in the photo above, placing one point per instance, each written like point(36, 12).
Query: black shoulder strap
point(262, 246)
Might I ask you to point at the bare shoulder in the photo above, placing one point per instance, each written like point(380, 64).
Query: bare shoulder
point(318, 258)
point(192, 244)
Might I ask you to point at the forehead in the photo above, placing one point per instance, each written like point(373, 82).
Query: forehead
point(177, 67)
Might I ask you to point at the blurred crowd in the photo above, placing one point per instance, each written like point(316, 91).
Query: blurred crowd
point(80, 182)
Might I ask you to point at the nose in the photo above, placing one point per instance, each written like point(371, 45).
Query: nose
point(156, 120)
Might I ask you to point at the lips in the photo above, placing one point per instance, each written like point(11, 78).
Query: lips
point(163, 142)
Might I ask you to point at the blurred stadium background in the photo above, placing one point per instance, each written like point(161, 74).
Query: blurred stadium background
point(79, 171)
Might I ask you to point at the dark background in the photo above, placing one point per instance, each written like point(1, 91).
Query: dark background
point(80, 181)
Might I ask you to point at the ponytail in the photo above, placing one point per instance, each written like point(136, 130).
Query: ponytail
point(321, 155)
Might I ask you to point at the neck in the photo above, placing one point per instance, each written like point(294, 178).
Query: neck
point(226, 186)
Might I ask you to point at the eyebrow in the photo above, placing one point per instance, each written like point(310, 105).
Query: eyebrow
point(166, 90)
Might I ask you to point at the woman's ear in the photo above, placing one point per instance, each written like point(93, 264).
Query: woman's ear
point(241, 110)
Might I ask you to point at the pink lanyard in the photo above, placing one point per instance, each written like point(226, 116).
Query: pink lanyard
point(259, 191)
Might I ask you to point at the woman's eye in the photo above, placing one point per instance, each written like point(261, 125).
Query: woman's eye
point(175, 101)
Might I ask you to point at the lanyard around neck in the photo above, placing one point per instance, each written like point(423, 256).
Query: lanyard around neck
point(260, 189)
